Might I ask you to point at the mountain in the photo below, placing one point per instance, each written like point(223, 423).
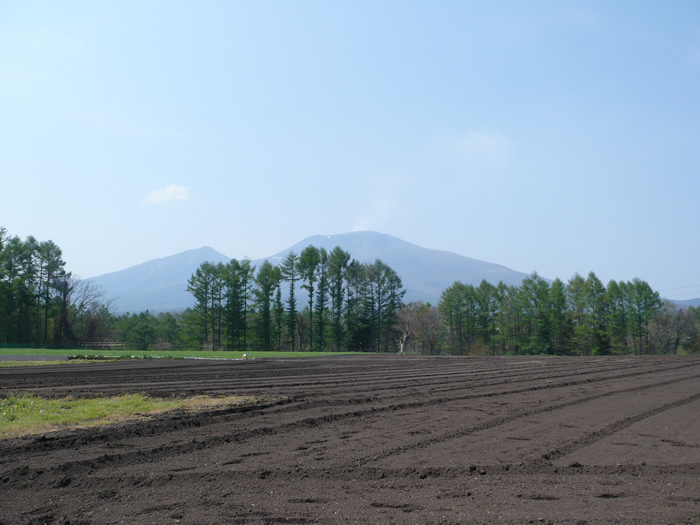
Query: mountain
point(425, 273)
point(160, 285)
point(685, 303)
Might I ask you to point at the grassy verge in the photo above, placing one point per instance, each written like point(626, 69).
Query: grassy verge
point(30, 414)
point(49, 362)
point(154, 354)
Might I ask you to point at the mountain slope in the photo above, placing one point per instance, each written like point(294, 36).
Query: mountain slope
point(686, 303)
point(160, 285)
point(425, 273)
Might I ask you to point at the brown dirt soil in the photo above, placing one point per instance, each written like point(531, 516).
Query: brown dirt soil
point(375, 439)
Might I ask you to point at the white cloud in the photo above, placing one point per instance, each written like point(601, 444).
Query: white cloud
point(171, 193)
point(378, 214)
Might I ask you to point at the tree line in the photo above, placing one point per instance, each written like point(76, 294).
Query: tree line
point(40, 301)
point(581, 317)
point(312, 301)
point(327, 301)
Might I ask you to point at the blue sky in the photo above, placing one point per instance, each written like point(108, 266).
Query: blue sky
point(556, 137)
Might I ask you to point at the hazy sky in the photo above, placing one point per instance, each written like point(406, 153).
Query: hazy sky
point(547, 136)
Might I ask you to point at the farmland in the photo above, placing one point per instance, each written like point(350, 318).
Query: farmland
point(369, 439)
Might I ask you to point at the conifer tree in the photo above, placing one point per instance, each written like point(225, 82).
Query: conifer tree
point(307, 267)
point(322, 300)
point(558, 320)
point(266, 283)
point(290, 274)
point(338, 261)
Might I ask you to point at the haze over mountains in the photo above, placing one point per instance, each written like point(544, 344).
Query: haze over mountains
point(160, 285)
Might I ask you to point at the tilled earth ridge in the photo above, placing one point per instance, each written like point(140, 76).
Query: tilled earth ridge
point(370, 439)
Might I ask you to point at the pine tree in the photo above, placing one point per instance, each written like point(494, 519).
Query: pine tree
point(487, 304)
point(307, 267)
point(534, 301)
point(616, 323)
point(338, 261)
point(278, 311)
point(322, 300)
point(596, 307)
point(558, 320)
point(643, 304)
point(203, 285)
point(266, 283)
point(576, 297)
point(290, 274)
point(453, 311)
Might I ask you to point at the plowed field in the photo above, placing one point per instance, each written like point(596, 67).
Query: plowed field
point(375, 439)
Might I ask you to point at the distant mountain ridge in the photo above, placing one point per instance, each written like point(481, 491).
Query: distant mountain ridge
point(685, 303)
point(160, 285)
point(425, 273)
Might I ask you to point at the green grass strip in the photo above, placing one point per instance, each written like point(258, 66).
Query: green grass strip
point(7, 364)
point(31, 414)
point(154, 354)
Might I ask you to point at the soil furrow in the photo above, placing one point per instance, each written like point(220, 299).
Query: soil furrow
point(371, 439)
